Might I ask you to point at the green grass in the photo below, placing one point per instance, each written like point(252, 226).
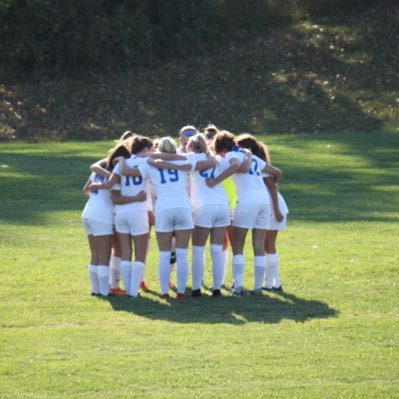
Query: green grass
point(332, 334)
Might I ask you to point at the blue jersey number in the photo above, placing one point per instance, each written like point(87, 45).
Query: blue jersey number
point(136, 180)
point(204, 173)
point(172, 175)
point(255, 168)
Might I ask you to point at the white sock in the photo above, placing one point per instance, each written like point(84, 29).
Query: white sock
point(164, 271)
point(238, 270)
point(114, 271)
point(273, 260)
point(136, 278)
point(126, 272)
point(198, 266)
point(182, 269)
point(226, 256)
point(259, 271)
point(268, 274)
point(103, 278)
point(217, 266)
point(95, 284)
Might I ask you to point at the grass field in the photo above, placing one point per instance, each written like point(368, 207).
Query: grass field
point(333, 333)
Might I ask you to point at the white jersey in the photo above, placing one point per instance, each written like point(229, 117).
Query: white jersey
point(250, 186)
point(201, 194)
point(169, 185)
point(130, 186)
point(99, 206)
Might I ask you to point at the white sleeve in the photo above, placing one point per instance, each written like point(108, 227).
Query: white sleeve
point(143, 168)
point(116, 187)
point(117, 169)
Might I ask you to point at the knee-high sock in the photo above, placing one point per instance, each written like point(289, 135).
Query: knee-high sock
point(137, 277)
point(164, 271)
point(217, 266)
point(238, 270)
point(269, 274)
point(259, 271)
point(198, 266)
point(273, 260)
point(126, 272)
point(225, 263)
point(95, 284)
point(114, 271)
point(182, 269)
point(103, 278)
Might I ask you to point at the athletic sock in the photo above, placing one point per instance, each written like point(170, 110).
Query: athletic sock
point(126, 272)
point(95, 284)
point(238, 270)
point(226, 256)
point(273, 260)
point(136, 278)
point(259, 271)
point(182, 269)
point(217, 266)
point(268, 274)
point(198, 266)
point(114, 271)
point(164, 271)
point(103, 278)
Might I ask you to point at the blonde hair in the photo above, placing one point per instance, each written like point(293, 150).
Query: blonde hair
point(167, 144)
point(198, 143)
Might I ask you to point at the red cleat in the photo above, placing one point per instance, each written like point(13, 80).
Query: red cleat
point(164, 296)
point(117, 291)
point(144, 286)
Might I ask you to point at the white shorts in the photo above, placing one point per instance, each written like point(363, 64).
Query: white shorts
point(96, 228)
point(134, 223)
point(274, 223)
point(214, 215)
point(169, 220)
point(252, 216)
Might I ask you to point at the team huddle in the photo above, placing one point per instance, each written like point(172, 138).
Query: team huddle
point(216, 185)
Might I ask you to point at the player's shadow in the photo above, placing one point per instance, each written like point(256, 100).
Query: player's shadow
point(270, 308)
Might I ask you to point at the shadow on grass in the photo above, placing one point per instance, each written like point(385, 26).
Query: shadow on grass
point(271, 308)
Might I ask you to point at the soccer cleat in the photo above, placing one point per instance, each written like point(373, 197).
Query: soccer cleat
point(256, 291)
point(180, 296)
point(164, 296)
point(278, 289)
point(117, 291)
point(196, 293)
point(237, 291)
point(144, 286)
point(95, 294)
point(216, 293)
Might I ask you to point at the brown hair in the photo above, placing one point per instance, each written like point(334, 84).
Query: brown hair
point(257, 148)
point(118, 151)
point(223, 141)
point(139, 143)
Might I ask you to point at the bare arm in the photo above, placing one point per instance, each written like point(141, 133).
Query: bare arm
point(158, 163)
point(206, 164)
point(234, 166)
point(271, 185)
point(125, 170)
point(118, 199)
point(107, 185)
point(276, 173)
point(163, 155)
point(85, 188)
point(98, 168)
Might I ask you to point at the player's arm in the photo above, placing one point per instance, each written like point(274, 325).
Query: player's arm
point(99, 168)
point(115, 178)
point(271, 185)
point(85, 188)
point(246, 163)
point(163, 155)
point(274, 172)
point(206, 164)
point(159, 163)
point(234, 166)
point(118, 199)
point(125, 170)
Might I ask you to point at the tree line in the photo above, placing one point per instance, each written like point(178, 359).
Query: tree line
point(64, 35)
